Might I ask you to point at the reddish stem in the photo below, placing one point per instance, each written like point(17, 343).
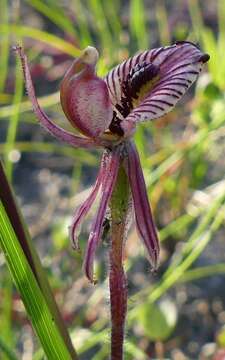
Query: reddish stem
point(118, 293)
point(117, 277)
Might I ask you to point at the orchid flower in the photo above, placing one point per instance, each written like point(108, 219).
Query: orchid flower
point(106, 112)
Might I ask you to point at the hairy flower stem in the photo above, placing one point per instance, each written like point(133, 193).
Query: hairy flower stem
point(117, 278)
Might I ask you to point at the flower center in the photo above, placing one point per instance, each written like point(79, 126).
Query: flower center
point(135, 87)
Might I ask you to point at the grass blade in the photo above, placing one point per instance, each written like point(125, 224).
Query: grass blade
point(138, 24)
point(29, 276)
point(40, 35)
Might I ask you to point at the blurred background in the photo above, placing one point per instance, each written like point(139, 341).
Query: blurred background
point(178, 313)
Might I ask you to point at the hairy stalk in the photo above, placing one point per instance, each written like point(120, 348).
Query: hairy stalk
point(117, 278)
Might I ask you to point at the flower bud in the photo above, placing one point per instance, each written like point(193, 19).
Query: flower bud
point(84, 96)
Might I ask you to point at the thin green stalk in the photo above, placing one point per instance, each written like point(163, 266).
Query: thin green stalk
point(82, 23)
point(43, 36)
point(163, 25)
point(6, 311)
point(101, 24)
point(7, 351)
point(170, 278)
point(196, 17)
point(173, 277)
point(40, 147)
point(55, 13)
point(202, 227)
point(44, 101)
point(201, 272)
point(138, 24)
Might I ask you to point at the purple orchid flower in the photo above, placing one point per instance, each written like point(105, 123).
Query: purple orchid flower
point(106, 111)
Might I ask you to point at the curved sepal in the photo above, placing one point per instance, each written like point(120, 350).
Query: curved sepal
point(45, 121)
point(109, 178)
point(143, 214)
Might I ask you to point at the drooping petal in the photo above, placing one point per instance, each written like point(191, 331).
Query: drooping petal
point(84, 96)
point(143, 214)
point(109, 179)
point(82, 211)
point(45, 121)
point(159, 78)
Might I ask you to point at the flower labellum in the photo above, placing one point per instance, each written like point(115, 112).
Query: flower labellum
point(107, 111)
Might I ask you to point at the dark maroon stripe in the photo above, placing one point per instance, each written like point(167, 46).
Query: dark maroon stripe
point(153, 105)
point(193, 72)
point(113, 82)
point(168, 75)
point(181, 54)
point(182, 79)
point(128, 66)
point(139, 112)
point(138, 58)
point(109, 88)
point(156, 53)
point(119, 71)
point(179, 67)
point(123, 75)
point(146, 53)
point(171, 82)
point(171, 89)
point(162, 102)
point(179, 84)
point(184, 73)
point(170, 54)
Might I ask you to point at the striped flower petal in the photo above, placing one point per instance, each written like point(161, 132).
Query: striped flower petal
point(110, 176)
point(82, 211)
point(174, 67)
point(143, 214)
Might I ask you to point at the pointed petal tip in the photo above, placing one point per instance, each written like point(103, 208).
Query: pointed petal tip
point(88, 269)
point(204, 58)
point(73, 239)
point(154, 259)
